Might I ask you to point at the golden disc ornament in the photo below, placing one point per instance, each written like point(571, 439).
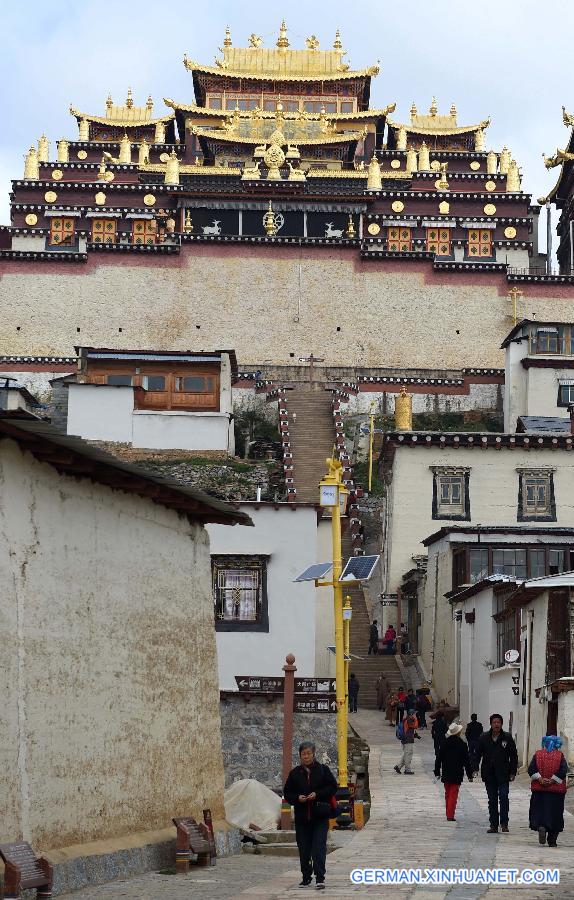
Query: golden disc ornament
point(31, 219)
point(109, 176)
point(163, 157)
point(435, 165)
point(82, 154)
point(395, 163)
point(510, 232)
point(57, 175)
point(490, 185)
point(50, 196)
point(100, 198)
point(490, 209)
point(149, 199)
point(374, 228)
point(397, 206)
point(475, 165)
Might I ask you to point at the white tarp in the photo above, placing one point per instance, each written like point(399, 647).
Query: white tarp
point(248, 802)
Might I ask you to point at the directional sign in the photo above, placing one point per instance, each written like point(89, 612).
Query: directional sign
point(262, 684)
point(314, 685)
point(315, 705)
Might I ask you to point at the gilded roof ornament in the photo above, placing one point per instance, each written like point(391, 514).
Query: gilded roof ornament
point(413, 111)
point(567, 117)
point(312, 43)
point(337, 45)
point(433, 109)
point(129, 99)
point(283, 40)
point(109, 102)
point(149, 103)
point(254, 40)
point(453, 111)
point(227, 42)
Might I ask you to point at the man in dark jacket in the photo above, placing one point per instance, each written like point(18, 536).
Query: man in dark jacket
point(453, 761)
point(497, 751)
point(353, 692)
point(309, 789)
point(373, 639)
point(473, 732)
point(438, 730)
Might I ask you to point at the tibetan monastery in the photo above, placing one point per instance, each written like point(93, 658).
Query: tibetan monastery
point(279, 213)
point(562, 194)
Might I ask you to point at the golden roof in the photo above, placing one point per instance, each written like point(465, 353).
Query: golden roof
point(230, 136)
point(282, 62)
point(270, 114)
point(433, 123)
point(125, 116)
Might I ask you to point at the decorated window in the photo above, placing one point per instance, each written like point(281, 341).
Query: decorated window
point(144, 231)
point(241, 102)
point(239, 593)
point(479, 243)
point(315, 106)
point(536, 496)
point(347, 106)
point(62, 232)
point(399, 238)
point(104, 231)
point(450, 493)
point(438, 241)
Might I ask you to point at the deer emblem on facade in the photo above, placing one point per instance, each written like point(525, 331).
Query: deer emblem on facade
point(331, 232)
point(212, 229)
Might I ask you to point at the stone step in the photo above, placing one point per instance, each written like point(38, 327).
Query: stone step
point(276, 849)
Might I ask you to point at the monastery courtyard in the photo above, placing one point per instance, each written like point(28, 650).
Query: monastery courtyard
point(407, 829)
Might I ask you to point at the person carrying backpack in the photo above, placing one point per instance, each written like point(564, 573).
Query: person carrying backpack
point(406, 732)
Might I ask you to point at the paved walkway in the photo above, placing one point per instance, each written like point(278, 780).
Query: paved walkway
point(407, 829)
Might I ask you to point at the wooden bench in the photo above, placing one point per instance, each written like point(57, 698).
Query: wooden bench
point(24, 870)
point(193, 837)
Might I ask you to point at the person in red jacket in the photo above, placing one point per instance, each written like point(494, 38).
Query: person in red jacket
point(547, 771)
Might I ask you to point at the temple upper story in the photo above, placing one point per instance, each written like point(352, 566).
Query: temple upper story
point(438, 132)
point(562, 194)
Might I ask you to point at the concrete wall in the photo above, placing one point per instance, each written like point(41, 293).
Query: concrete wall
point(182, 431)
point(289, 537)
point(487, 397)
point(109, 720)
point(493, 494)
point(532, 391)
point(269, 304)
point(101, 412)
point(478, 644)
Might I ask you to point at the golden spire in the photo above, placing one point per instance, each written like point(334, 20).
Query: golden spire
point(109, 102)
point(269, 221)
point(350, 230)
point(283, 40)
point(63, 151)
point(402, 138)
point(411, 160)
point(413, 111)
point(453, 111)
point(31, 165)
point(188, 224)
point(513, 178)
point(43, 149)
point(149, 103)
point(337, 45)
point(227, 39)
point(491, 163)
point(84, 130)
point(424, 158)
point(433, 110)
point(129, 99)
point(504, 161)
point(374, 182)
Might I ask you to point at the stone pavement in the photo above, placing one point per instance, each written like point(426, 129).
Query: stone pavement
point(407, 829)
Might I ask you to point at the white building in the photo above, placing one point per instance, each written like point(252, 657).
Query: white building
point(150, 399)
point(261, 615)
point(109, 669)
point(539, 373)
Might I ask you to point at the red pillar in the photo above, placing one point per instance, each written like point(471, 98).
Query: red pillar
point(288, 701)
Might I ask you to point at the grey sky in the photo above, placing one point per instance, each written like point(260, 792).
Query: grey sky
point(510, 59)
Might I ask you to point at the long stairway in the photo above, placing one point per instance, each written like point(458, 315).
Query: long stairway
point(312, 435)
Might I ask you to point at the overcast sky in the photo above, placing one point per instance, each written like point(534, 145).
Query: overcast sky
point(508, 59)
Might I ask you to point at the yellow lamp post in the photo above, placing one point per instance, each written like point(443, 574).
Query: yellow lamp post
point(371, 436)
point(333, 495)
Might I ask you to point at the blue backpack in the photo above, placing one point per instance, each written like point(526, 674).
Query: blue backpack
point(400, 731)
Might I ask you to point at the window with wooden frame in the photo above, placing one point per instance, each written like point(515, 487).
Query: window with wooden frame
point(507, 627)
point(438, 241)
point(317, 106)
point(479, 243)
point(399, 238)
point(240, 593)
point(104, 231)
point(536, 499)
point(144, 231)
point(566, 393)
point(450, 493)
point(62, 231)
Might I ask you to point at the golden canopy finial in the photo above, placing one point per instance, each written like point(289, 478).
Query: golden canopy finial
point(283, 40)
point(413, 111)
point(43, 149)
point(433, 109)
point(227, 39)
point(374, 182)
point(63, 150)
point(402, 138)
point(109, 102)
point(424, 158)
point(255, 40)
point(404, 411)
point(479, 144)
point(129, 99)
point(453, 110)
point(149, 103)
point(337, 45)
point(312, 43)
point(31, 165)
point(83, 130)
point(504, 163)
point(269, 222)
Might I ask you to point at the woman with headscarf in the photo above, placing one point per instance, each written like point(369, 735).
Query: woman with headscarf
point(547, 772)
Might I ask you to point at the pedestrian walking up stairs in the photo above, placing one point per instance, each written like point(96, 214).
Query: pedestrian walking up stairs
point(312, 436)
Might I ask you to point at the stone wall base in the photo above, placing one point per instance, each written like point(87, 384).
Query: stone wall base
point(100, 862)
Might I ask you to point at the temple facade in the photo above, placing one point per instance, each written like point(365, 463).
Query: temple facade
point(278, 204)
point(562, 195)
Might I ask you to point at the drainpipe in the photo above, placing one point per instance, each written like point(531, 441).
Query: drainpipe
point(528, 664)
point(433, 639)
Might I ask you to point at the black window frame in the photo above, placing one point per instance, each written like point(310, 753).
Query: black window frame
point(461, 557)
point(241, 561)
point(521, 515)
point(446, 472)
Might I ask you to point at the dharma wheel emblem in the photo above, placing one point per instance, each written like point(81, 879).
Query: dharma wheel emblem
point(278, 221)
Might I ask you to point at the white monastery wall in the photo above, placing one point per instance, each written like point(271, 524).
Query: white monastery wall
point(109, 721)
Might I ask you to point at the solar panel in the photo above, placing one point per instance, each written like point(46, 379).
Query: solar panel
point(314, 572)
point(332, 650)
point(359, 568)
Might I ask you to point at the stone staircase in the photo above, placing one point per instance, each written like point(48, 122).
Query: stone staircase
point(312, 435)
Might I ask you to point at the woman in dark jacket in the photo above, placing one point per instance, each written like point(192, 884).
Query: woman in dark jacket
point(309, 789)
point(547, 771)
point(438, 730)
point(454, 761)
